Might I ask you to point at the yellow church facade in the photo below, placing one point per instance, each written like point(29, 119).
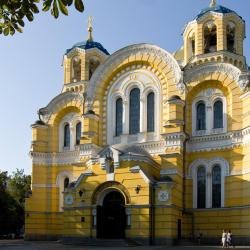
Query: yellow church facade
point(147, 145)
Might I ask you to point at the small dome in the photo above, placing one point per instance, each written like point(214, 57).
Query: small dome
point(217, 9)
point(88, 44)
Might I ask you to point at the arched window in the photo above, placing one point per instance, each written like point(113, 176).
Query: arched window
point(201, 187)
point(76, 69)
point(151, 112)
point(216, 187)
point(201, 116)
point(218, 114)
point(118, 116)
point(231, 37)
point(66, 183)
point(78, 132)
point(66, 136)
point(134, 111)
point(210, 37)
point(93, 64)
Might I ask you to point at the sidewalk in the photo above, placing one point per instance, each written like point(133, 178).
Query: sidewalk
point(44, 245)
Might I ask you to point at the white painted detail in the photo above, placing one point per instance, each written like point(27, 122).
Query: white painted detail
point(163, 195)
point(68, 199)
point(110, 177)
point(208, 164)
point(209, 97)
point(146, 82)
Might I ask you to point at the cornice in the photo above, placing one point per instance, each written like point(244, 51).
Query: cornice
point(240, 77)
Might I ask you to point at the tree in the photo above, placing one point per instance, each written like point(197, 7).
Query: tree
point(14, 12)
point(13, 190)
point(19, 186)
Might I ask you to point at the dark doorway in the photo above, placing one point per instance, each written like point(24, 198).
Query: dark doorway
point(111, 217)
point(179, 229)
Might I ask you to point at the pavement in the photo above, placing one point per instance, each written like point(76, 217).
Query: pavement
point(51, 245)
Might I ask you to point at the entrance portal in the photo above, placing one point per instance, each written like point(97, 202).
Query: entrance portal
point(111, 217)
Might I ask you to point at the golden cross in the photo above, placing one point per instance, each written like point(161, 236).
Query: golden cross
point(90, 28)
point(213, 3)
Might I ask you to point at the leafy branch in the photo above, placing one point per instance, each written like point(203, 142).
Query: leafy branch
point(14, 12)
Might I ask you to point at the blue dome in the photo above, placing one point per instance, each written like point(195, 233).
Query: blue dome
point(88, 45)
point(217, 9)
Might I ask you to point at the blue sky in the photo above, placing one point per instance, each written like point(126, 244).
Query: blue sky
point(30, 65)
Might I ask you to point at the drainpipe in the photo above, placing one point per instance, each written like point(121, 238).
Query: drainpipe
point(184, 167)
point(152, 214)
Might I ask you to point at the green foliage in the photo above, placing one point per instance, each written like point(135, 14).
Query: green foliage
point(19, 185)
point(13, 190)
point(13, 12)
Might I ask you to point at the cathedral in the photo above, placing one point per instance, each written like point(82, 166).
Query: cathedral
point(147, 145)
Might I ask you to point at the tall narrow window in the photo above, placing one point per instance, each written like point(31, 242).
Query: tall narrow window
point(134, 111)
point(210, 37)
point(218, 114)
point(201, 187)
point(76, 69)
point(216, 187)
point(66, 136)
point(118, 117)
point(231, 37)
point(66, 183)
point(93, 64)
point(78, 132)
point(151, 112)
point(201, 116)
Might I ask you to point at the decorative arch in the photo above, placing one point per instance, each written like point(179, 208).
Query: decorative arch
point(207, 70)
point(60, 179)
point(66, 100)
point(141, 53)
point(105, 188)
point(146, 81)
point(209, 164)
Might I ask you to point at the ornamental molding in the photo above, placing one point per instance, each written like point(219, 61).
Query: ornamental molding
point(222, 141)
point(57, 103)
point(121, 55)
point(208, 164)
point(216, 14)
point(241, 78)
point(61, 158)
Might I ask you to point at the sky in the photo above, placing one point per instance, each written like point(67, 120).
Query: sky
point(30, 63)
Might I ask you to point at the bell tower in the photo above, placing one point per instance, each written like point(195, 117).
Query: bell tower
point(215, 30)
point(81, 61)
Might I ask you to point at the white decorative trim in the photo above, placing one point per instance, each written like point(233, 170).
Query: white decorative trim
point(122, 54)
point(208, 164)
point(169, 172)
point(241, 78)
point(220, 141)
point(137, 169)
point(209, 97)
point(82, 177)
point(52, 185)
point(72, 119)
point(147, 82)
point(57, 103)
point(62, 158)
point(217, 14)
point(60, 184)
